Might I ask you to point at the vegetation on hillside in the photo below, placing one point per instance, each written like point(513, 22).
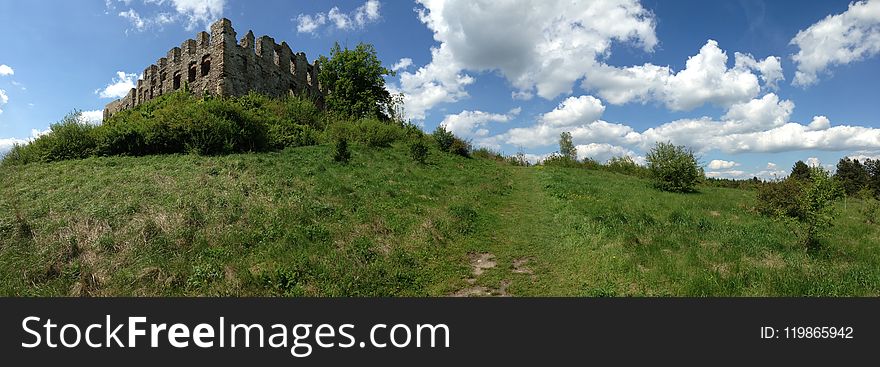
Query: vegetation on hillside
point(254, 196)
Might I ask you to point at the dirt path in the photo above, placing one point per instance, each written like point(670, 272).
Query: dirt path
point(510, 262)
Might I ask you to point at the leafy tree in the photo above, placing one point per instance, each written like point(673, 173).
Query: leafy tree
point(566, 147)
point(852, 175)
point(674, 167)
point(800, 171)
point(817, 205)
point(353, 82)
point(443, 137)
point(872, 166)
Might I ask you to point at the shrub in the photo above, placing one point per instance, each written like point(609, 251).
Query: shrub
point(283, 135)
point(674, 168)
point(448, 142)
point(780, 199)
point(340, 151)
point(418, 151)
point(817, 205)
point(443, 137)
point(460, 147)
point(625, 165)
point(870, 206)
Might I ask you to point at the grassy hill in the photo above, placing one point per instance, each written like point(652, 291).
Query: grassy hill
point(294, 223)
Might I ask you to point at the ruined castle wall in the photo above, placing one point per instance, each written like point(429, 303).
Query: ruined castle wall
point(216, 64)
point(263, 66)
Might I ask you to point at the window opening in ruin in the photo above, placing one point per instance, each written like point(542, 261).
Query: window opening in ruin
point(176, 80)
point(192, 72)
point(206, 65)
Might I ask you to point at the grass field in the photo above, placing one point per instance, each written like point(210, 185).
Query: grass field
point(295, 223)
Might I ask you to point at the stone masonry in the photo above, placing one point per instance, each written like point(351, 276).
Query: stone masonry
point(218, 65)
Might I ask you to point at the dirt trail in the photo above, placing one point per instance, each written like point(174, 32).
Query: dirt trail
point(514, 257)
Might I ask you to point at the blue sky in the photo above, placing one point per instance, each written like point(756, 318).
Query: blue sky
point(751, 85)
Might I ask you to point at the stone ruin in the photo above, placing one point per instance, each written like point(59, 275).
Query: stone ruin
point(218, 65)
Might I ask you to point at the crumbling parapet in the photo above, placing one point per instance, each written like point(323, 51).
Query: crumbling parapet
point(216, 63)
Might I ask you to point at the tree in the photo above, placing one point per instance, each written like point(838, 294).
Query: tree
point(353, 82)
point(817, 206)
point(800, 171)
point(674, 167)
point(852, 175)
point(566, 147)
point(872, 166)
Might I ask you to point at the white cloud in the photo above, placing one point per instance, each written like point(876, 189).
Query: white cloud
point(193, 13)
point(403, 64)
point(814, 162)
point(718, 164)
point(136, 21)
point(360, 17)
point(819, 123)
point(94, 117)
point(758, 126)
point(770, 68)
point(7, 143)
point(306, 23)
point(470, 124)
point(728, 174)
point(574, 110)
point(438, 82)
point(771, 165)
point(541, 47)
point(119, 86)
point(4, 99)
point(837, 40)
point(602, 152)
point(758, 114)
point(6, 70)
point(705, 79)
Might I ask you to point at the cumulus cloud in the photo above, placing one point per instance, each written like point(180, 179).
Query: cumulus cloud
point(574, 110)
point(837, 40)
point(306, 23)
point(94, 117)
point(7, 143)
point(540, 46)
point(360, 17)
point(119, 86)
point(814, 162)
point(4, 99)
point(192, 13)
point(6, 70)
point(470, 124)
point(706, 78)
point(403, 64)
point(602, 152)
point(758, 126)
point(718, 164)
point(438, 82)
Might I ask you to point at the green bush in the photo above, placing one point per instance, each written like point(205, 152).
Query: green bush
point(418, 151)
point(627, 166)
point(460, 147)
point(283, 135)
point(817, 205)
point(444, 138)
point(781, 199)
point(674, 168)
point(341, 153)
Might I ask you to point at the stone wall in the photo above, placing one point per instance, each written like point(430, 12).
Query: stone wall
point(215, 64)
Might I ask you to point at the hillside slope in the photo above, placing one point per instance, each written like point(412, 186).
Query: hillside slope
point(296, 223)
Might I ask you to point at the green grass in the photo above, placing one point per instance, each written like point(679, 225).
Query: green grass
point(295, 223)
